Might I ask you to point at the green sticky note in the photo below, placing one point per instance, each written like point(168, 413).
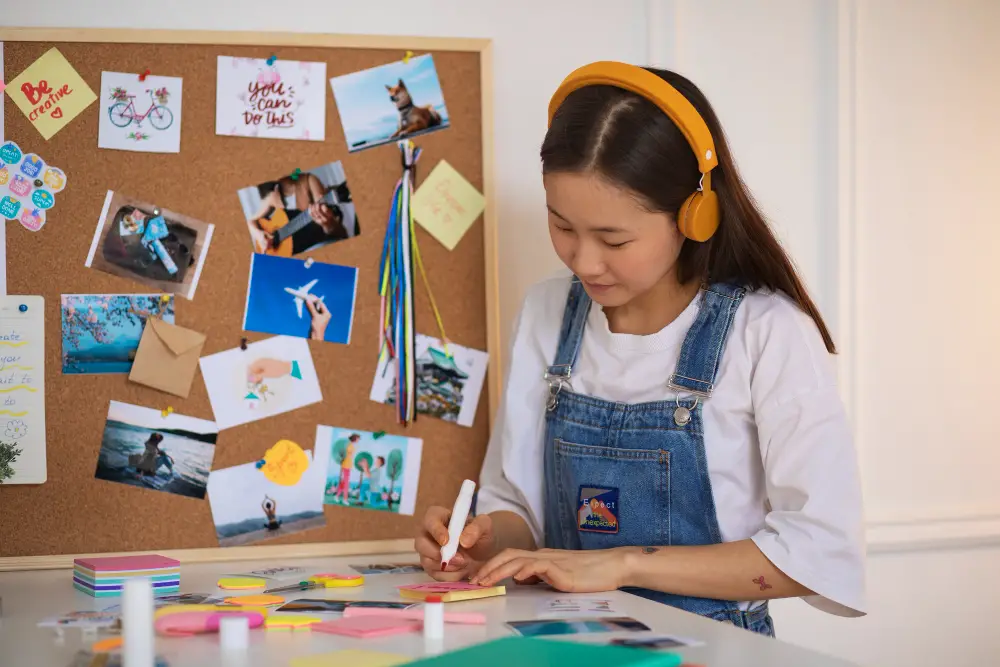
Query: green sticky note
point(535, 652)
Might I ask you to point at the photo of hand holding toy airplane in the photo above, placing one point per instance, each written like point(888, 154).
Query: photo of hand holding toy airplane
point(325, 291)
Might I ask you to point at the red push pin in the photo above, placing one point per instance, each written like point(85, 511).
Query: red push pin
point(142, 77)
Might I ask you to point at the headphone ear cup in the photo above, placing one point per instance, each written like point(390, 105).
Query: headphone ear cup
point(698, 217)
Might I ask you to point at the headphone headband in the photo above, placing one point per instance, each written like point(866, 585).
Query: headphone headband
point(653, 88)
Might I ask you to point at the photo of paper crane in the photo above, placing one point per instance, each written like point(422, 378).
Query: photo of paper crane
point(303, 293)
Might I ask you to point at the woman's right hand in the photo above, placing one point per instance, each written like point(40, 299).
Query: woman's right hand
point(476, 545)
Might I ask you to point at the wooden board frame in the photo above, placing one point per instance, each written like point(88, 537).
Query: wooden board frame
point(484, 48)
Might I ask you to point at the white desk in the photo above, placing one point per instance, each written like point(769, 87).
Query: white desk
point(31, 596)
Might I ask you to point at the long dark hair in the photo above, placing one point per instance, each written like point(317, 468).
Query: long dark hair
point(629, 141)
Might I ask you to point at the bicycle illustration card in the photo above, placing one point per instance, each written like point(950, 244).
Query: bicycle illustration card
point(141, 116)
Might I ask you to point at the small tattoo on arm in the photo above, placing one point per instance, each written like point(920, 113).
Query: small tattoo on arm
point(649, 550)
point(760, 582)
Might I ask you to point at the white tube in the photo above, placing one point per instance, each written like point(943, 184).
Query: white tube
point(457, 523)
point(234, 633)
point(433, 618)
point(138, 648)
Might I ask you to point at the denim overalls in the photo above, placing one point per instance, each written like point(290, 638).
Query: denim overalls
point(622, 474)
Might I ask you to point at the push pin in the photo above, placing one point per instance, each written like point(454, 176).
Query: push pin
point(270, 61)
point(243, 343)
point(378, 434)
point(260, 464)
point(156, 211)
point(142, 77)
point(309, 262)
point(295, 174)
point(164, 298)
point(168, 411)
point(406, 57)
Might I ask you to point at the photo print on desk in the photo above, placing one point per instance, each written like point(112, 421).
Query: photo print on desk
point(142, 448)
point(447, 387)
point(270, 377)
point(369, 471)
point(151, 245)
point(22, 390)
point(384, 104)
point(286, 100)
point(285, 296)
point(299, 212)
point(247, 507)
point(101, 332)
point(140, 116)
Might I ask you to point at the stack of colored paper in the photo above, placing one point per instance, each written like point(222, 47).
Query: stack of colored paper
point(105, 577)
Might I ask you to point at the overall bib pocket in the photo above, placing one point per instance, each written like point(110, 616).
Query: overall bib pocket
point(612, 497)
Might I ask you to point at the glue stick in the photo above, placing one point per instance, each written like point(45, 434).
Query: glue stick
point(433, 617)
point(137, 623)
point(234, 633)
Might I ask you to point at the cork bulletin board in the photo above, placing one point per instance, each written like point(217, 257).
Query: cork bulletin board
point(73, 513)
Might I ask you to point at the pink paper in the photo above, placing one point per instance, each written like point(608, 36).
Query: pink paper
point(368, 626)
point(123, 563)
point(462, 617)
point(185, 623)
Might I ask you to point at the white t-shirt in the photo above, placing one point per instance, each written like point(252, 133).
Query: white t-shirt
point(780, 453)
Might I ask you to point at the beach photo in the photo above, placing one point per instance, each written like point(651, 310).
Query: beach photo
point(247, 507)
point(448, 387)
point(156, 247)
point(369, 472)
point(298, 212)
point(395, 101)
point(101, 332)
point(287, 297)
point(142, 448)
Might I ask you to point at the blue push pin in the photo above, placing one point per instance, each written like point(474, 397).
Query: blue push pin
point(270, 61)
point(260, 464)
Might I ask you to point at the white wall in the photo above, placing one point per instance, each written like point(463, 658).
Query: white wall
point(866, 133)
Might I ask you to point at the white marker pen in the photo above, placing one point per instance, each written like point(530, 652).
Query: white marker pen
point(457, 523)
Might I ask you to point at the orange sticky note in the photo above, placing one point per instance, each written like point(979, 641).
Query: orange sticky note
point(50, 93)
point(446, 204)
point(284, 463)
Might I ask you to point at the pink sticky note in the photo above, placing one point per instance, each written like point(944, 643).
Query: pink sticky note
point(124, 563)
point(368, 626)
point(3, 86)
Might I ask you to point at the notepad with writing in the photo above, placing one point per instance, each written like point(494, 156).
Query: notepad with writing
point(533, 652)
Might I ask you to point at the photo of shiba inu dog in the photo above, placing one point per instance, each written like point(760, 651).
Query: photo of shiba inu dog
point(411, 117)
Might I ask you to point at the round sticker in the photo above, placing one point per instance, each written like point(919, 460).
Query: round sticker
point(43, 199)
point(9, 206)
point(32, 219)
point(10, 153)
point(55, 178)
point(32, 165)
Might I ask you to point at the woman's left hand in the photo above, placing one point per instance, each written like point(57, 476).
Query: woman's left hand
point(591, 571)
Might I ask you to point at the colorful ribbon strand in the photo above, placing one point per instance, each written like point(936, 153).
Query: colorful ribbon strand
point(397, 330)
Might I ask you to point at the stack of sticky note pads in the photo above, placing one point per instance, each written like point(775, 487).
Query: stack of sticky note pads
point(105, 577)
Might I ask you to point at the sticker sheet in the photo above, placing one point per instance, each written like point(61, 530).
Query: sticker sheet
point(142, 116)
point(282, 100)
point(27, 186)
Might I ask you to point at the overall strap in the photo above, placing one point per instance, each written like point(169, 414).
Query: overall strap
point(570, 335)
point(701, 351)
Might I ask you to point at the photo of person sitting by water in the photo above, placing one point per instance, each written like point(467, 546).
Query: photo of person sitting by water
point(299, 211)
point(271, 510)
point(141, 447)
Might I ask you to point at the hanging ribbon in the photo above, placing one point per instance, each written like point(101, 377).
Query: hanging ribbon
point(397, 330)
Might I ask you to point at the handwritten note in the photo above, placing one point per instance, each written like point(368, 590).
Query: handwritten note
point(446, 204)
point(22, 385)
point(50, 93)
point(284, 463)
point(286, 100)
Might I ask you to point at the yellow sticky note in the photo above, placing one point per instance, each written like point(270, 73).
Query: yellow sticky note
point(352, 657)
point(446, 204)
point(50, 92)
point(284, 463)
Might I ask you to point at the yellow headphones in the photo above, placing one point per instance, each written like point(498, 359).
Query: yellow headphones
point(699, 215)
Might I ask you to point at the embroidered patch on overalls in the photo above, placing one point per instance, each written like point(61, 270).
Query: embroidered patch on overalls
point(597, 511)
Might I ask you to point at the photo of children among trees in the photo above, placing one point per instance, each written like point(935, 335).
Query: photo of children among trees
point(368, 470)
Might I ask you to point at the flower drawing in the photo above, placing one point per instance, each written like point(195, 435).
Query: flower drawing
point(16, 429)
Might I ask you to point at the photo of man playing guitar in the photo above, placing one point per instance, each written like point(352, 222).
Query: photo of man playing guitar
point(298, 213)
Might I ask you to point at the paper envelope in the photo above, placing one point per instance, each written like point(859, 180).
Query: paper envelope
point(167, 357)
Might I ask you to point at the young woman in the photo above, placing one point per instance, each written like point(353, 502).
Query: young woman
point(670, 423)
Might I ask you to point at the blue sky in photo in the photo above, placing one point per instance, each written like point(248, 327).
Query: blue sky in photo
point(270, 309)
point(363, 102)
